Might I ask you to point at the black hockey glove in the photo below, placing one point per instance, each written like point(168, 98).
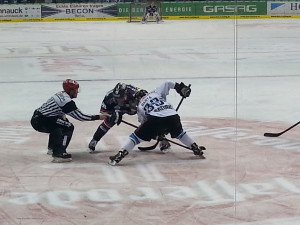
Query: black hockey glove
point(116, 117)
point(95, 117)
point(183, 90)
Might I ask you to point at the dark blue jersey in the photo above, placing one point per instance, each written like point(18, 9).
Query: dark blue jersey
point(151, 9)
point(127, 105)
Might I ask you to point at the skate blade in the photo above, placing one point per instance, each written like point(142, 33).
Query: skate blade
point(90, 151)
point(202, 157)
point(165, 150)
point(61, 160)
point(112, 162)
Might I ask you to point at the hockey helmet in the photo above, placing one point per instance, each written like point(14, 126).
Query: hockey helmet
point(70, 85)
point(140, 93)
point(119, 90)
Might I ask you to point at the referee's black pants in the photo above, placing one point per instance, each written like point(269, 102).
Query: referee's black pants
point(60, 131)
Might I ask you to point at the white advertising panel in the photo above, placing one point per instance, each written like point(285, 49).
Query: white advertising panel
point(283, 8)
point(67, 10)
point(78, 10)
point(20, 11)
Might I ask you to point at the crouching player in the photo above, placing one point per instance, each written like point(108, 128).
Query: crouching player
point(157, 116)
point(151, 11)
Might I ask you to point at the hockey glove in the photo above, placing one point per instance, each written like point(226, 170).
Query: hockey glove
point(102, 116)
point(183, 90)
point(116, 117)
point(95, 117)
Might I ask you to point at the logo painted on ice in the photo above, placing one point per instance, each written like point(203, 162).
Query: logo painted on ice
point(276, 5)
point(207, 193)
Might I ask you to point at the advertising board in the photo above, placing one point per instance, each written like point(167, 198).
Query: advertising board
point(168, 10)
point(284, 8)
point(20, 11)
point(231, 8)
point(68, 10)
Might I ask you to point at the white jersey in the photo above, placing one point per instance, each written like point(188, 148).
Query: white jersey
point(155, 103)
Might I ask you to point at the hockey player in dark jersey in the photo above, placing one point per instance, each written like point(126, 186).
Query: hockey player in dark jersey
point(119, 101)
point(151, 11)
point(51, 118)
point(158, 116)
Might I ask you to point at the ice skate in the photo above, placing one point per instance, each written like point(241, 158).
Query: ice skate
point(198, 150)
point(61, 158)
point(113, 160)
point(92, 145)
point(157, 19)
point(165, 146)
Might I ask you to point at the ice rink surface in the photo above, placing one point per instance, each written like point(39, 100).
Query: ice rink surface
point(245, 81)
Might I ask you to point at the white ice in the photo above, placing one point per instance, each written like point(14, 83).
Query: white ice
point(246, 69)
point(239, 69)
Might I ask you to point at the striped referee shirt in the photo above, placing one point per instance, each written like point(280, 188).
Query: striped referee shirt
point(61, 104)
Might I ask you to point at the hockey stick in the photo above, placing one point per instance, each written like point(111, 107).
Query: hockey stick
point(130, 124)
point(150, 147)
point(278, 134)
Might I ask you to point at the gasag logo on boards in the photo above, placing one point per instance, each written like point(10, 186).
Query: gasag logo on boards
point(230, 9)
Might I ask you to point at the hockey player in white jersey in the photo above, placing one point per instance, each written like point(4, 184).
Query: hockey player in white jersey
point(51, 118)
point(157, 117)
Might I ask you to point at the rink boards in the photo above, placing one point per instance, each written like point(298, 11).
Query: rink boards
point(168, 11)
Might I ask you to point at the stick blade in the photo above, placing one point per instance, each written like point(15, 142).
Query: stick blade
point(148, 148)
point(272, 134)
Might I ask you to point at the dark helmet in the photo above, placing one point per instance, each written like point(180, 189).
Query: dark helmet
point(70, 85)
point(119, 90)
point(139, 93)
